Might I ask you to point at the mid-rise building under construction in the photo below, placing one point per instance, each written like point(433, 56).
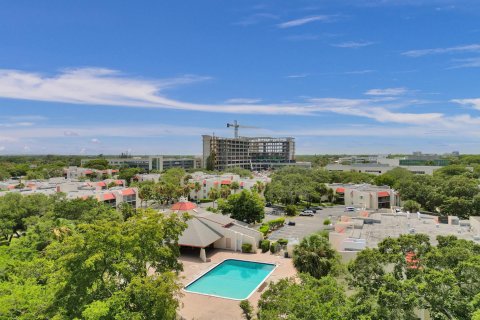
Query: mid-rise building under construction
point(254, 153)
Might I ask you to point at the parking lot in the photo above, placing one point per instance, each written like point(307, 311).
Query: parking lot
point(304, 225)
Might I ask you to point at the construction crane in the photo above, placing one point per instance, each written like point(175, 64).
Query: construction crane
point(235, 127)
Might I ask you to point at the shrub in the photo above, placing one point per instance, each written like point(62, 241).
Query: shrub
point(276, 223)
point(247, 309)
point(211, 209)
point(246, 248)
point(264, 229)
point(274, 247)
point(291, 210)
point(327, 222)
point(205, 200)
point(265, 245)
point(282, 242)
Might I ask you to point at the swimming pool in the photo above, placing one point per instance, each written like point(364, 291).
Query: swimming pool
point(232, 279)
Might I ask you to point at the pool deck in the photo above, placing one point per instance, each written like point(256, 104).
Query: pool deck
point(200, 307)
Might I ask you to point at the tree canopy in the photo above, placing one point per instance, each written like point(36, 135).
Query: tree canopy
point(247, 206)
point(81, 259)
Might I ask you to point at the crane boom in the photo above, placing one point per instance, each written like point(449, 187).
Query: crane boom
point(235, 127)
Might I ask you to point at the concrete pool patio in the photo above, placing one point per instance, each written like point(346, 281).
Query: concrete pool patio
point(200, 307)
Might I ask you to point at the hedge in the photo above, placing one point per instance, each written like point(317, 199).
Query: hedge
point(276, 223)
point(282, 242)
point(205, 200)
point(246, 248)
point(265, 245)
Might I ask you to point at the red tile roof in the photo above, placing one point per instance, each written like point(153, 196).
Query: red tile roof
point(226, 182)
point(384, 194)
point(340, 190)
point(119, 182)
point(108, 196)
point(101, 184)
point(128, 192)
point(184, 206)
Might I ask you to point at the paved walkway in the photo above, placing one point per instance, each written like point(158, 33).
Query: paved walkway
point(201, 307)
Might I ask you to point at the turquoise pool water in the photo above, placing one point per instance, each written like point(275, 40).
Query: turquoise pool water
point(232, 279)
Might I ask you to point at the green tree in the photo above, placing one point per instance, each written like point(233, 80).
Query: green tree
point(245, 206)
point(315, 256)
point(106, 265)
point(411, 205)
point(308, 299)
point(235, 186)
point(128, 173)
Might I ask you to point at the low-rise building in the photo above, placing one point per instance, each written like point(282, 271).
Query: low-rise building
point(110, 191)
point(214, 231)
point(209, 181)
point(380, 168)
point(365, 196)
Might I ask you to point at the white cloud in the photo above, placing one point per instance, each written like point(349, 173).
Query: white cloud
point(302, 21)
point(69, 133)
point(109, 87)
point(2, 148)
point(359, 71)
point(256, 19)
point(299, 75)
point(386, 92)
point(475, 103)
point(353, 44)
point(242, 101)
point(467, 63)
point(458, 49)
point(95, 140)
point(369, 109)
point(16, 124)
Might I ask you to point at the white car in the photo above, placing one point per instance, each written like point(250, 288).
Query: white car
point(307, 213)
point(349, 209)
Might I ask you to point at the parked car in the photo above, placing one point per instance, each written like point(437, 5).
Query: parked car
point(312, 209)
point(349, 209)
point(307, 213)
point(268, 204)
point(291, 223)
point(317, 208)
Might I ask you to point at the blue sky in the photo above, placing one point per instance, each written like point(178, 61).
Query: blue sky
point(150, 77)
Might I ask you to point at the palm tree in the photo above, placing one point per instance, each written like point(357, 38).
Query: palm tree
point(235, 186)
point(330, 195)
point(260, 186)
point(315, 256)
point(197, 187)
point(225, 191)
point(213, 194)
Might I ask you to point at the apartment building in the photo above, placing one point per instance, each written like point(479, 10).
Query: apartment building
point(254, 153)
point(366, 196)
point(209, 181)
point(110, 191)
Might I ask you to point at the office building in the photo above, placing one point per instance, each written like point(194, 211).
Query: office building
point(254, 153)
point(149, 163)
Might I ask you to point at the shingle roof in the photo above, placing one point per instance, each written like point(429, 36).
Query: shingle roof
point(198, 234)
